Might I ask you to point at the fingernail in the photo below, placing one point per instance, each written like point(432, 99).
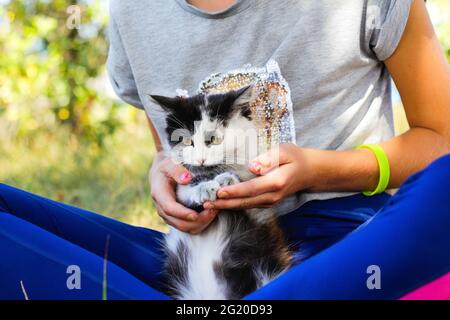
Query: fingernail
point(185, 176)
point(255, 166)
point(222, 194)
point(192, 217)
point(208, 205)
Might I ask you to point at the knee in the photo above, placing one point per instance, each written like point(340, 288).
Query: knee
point(3, 205)
point(436, 176)
point(441, 165)
point(4, 188)
point(7, 196)
point(439, 172)
point(428, 189)
point(4, 191)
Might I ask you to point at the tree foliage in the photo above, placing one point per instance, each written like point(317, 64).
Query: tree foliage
point(52, 74)
point(49, 70)
point(440, 14)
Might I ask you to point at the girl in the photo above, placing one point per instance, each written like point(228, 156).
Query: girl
point(338, 58)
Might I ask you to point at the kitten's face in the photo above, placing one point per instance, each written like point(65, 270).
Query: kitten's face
point(210, 130)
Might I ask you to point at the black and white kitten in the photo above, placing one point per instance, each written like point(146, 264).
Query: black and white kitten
point(241, 250)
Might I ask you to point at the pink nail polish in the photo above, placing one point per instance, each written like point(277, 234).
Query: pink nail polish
point(185, 177)
point(256, 167)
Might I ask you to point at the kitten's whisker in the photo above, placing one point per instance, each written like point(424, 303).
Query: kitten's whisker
point(178, 121)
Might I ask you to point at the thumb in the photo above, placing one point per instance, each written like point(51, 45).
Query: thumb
point(177, 172)
point(269, 160)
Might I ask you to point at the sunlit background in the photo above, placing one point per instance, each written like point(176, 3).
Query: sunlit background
point(63, 133)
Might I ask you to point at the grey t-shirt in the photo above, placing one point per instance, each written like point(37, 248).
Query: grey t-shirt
point(329, 51)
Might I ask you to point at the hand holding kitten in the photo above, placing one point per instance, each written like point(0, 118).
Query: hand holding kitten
point(164, 176)
point(281, 172)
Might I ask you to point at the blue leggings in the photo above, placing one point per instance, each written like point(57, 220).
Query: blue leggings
point(407, 236)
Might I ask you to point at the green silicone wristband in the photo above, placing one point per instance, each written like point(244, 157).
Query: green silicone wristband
point(383, 166)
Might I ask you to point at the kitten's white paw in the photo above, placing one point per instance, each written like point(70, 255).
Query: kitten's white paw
point(227, 179)
point(206, 191)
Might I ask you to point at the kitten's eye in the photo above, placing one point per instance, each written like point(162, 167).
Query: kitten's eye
point(216, 140)
point(187, 141)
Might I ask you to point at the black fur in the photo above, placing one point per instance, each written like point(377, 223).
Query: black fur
point(251, 245)
point(181, 113)
point(184, 111)
point(222, 106)
point(175, 269)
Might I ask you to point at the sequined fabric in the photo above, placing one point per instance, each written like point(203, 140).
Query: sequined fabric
point(271, 103)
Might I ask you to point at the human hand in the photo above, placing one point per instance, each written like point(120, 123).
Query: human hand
point(281, 172)
point(164, 176)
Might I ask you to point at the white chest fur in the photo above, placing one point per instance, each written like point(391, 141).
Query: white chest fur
point(204, 251)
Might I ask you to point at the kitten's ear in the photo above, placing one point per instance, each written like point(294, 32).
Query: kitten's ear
point(167, 103)
point(244, 95)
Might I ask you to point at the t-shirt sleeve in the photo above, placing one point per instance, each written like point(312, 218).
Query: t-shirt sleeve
point(385, 22)
point(119, 69)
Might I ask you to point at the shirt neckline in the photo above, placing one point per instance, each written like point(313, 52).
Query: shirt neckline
point(235, 8)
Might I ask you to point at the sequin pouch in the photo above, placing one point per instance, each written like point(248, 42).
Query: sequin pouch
point(271, 104)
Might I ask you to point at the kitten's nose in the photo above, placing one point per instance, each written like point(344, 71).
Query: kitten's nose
point(201, 161)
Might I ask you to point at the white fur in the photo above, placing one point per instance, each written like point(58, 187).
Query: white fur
point(205, 250)
point(264, 277)
point(239, 145)
point(204, 191)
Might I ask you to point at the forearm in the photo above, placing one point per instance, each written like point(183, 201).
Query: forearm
point(292, 169)
point(357, 170)
point(155, 136)
point(421, 74)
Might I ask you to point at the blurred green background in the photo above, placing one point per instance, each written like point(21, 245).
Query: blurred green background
point(63, 133)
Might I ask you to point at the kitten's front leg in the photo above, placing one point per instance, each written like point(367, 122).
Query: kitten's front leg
point(227, 179)
point(196, 195)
